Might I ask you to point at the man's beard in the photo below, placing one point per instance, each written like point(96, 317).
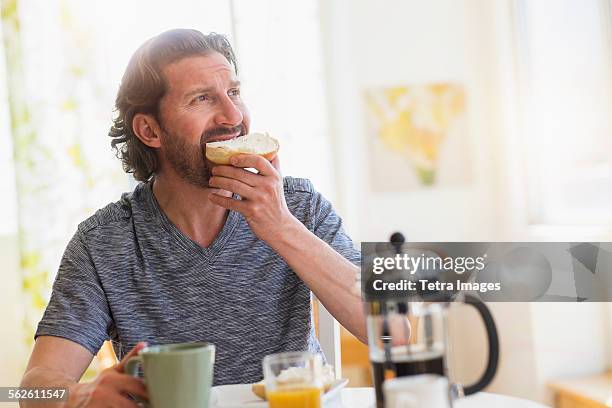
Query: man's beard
point(188, 160)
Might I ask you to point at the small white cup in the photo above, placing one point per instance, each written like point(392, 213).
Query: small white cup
point(417, 391)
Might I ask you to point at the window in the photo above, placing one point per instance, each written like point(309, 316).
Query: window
point(564, 55)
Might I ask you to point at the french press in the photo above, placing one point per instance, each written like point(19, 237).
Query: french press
point(408, 336)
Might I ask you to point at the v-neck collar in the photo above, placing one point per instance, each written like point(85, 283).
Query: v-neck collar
point(186, 243)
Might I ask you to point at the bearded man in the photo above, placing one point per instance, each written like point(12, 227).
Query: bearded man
point(196, 252)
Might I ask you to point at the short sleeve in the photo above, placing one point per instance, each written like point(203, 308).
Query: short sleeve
point(78, 310)
point(327, 225)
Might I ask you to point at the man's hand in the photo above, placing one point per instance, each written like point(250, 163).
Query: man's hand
point(263, 199)
point(110, 388)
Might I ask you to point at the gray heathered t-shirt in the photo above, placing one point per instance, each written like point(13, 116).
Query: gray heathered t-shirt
point(130, 275)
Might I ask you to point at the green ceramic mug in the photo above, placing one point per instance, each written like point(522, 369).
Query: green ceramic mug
point(176, 375)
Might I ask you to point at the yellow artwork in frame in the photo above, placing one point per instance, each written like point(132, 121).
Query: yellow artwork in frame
point(417, 136)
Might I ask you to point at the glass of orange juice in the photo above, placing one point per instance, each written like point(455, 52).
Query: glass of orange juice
point(293, 380)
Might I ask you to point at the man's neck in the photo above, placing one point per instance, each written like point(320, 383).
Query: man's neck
point(189, 209)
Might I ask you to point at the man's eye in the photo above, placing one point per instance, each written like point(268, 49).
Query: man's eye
point(202, 98)
point(234, 92)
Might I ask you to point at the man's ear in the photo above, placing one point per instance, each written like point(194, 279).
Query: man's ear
point(146, 129)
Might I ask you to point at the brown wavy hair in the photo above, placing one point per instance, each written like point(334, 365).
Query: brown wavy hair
point(143, 86)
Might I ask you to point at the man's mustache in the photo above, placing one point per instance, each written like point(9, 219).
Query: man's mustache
point(222, 131)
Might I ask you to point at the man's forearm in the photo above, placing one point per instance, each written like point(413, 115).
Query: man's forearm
point(41, 377)
point(329, 275)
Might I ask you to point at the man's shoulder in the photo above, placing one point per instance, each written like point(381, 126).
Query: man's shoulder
point(298, 185)
point(303, 199)
point(115, 213)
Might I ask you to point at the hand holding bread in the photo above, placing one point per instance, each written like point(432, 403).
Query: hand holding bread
point(262, 196)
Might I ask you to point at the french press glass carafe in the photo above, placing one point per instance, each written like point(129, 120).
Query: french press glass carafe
point(409, 337)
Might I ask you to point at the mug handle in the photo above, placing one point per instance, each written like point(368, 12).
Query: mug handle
point(131, 368)
point(493, 341)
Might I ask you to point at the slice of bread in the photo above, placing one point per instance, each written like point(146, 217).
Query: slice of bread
point(254, 143)
point(259, 389)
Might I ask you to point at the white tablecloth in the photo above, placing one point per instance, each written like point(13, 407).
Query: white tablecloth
point(364, 398)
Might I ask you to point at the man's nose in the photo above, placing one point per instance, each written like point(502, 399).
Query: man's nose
point(229, 114)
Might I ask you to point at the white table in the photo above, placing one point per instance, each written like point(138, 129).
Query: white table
point(365, 398)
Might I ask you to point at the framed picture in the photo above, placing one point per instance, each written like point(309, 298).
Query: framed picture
point(417, 136)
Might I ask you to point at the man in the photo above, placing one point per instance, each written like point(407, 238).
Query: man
point(196, 252)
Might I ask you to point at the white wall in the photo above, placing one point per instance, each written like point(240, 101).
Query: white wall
point(395, 42)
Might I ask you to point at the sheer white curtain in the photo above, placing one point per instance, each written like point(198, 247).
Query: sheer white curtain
point(8, 204)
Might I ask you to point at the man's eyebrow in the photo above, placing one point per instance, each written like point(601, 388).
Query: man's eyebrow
point(233, 84)
point(199, 91)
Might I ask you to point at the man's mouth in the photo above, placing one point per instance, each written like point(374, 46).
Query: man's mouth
point(220, 134)
point(226, 137)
